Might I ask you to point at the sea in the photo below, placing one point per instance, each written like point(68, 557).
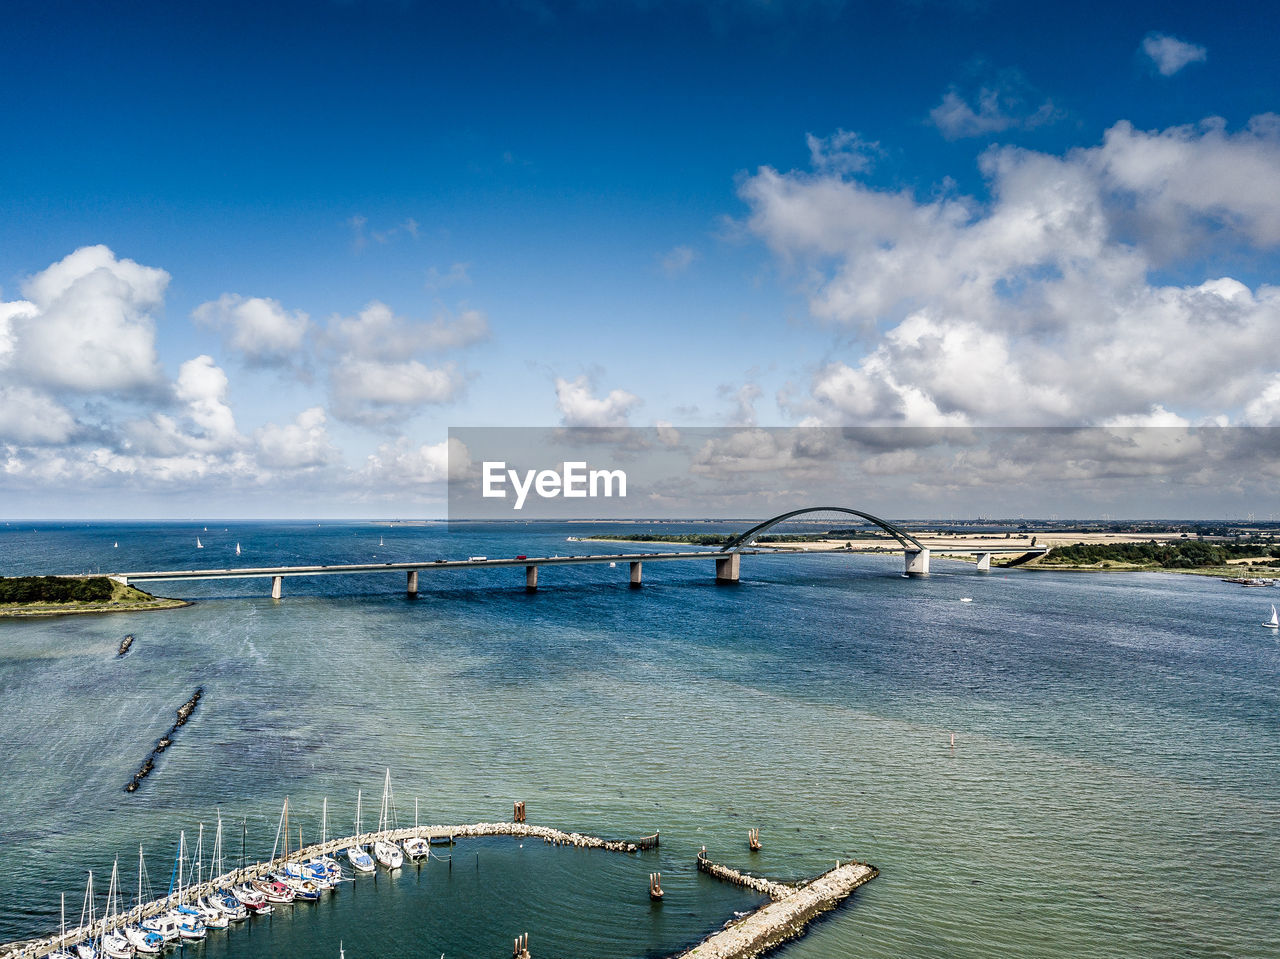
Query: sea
point(1113, 787)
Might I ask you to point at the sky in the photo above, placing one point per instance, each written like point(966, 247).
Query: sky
point(257, 259)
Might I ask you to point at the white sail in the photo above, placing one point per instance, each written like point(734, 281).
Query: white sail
point(199, 545)
point(1274, 621)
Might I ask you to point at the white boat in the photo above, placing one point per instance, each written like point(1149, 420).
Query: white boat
point(1274, 621)
point(237, 549)
point(360, 860)
point(113, 942)
point(143, 942)
point(384, 850)
point(379, 540)
point(415, 847)
point(115, 545)
point(87, 949)
point(199, 545)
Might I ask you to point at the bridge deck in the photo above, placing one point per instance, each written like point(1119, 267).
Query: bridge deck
point(252, 572)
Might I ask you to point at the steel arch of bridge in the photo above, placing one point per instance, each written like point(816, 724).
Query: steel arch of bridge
point(897, 532)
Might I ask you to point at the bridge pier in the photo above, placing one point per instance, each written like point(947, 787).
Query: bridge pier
point(411, 586)
point(984, 562)
point(277, 586)
point(917, 562)
point(728, 568)
point(636, 566)
point(531, 578)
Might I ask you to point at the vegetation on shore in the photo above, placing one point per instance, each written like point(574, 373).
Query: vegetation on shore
point(1179, 555)
point(56, 595)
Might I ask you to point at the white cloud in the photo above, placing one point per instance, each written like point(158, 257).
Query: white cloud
point(260, 328)
point(677, 260)
point(87, 324)
point(579, 407)
point(202, 386)
point(1037, 306)
point(1169, 54)
point(302, 444)
point(1006, 103)
point(377, 376)
point(27, 416)
point(842, 153)
point(458, 274)
point(406, 465)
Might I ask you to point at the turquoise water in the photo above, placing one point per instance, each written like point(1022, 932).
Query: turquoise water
point(1114, 788)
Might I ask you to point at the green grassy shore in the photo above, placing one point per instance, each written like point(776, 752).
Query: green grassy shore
point(22, 596)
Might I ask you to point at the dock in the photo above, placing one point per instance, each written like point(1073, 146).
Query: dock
point(785, 917)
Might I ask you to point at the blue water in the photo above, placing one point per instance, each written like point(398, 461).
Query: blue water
point(1114, 788)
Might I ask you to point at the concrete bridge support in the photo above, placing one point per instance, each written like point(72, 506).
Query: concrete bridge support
point(531, 578)
point(728, 568)
point(277, 586)
point(411, 586)
point(917, 562)
point(984, 562)
point(635, 573)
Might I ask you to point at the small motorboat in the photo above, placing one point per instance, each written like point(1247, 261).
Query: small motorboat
point(415, 848)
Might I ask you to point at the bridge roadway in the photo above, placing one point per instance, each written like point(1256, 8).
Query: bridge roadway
point(727, 565)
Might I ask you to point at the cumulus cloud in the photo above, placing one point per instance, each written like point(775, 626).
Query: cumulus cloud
point(302, 444)
point(378, 376)
point(259, 328)
point(86, 324)
point(27, 416)
point(1037, 306)
point(1169, 54)
point(1006, 102)
point(580, 407)
point(405, 465)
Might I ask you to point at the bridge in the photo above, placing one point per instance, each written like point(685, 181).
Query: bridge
point(727, 559)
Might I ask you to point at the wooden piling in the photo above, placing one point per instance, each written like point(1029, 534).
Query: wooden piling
point(753, 840)
point(655, 886)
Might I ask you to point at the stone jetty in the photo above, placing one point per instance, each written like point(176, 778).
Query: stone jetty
point(165, 741)
point(792, 909)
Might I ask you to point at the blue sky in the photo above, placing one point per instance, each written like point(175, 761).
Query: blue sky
point(313, 236)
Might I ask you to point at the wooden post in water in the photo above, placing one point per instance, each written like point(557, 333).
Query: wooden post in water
point(521, 948)
point(518, 814)
point(655, 886)
point(753, 840)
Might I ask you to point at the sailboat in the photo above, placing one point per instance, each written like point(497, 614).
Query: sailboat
point(147, 941)
point(1274, 621)
point(384, 850)
point(114, 943)
point(379, 540)
point(199, 545)
point(237, 549)
point(190, 922)
point(115, 545)
point(222, 899)
point(325, 866)
point(291, 874)
point(361, 861)
point(415, 847)
point(60, 954)
point(86, 949)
